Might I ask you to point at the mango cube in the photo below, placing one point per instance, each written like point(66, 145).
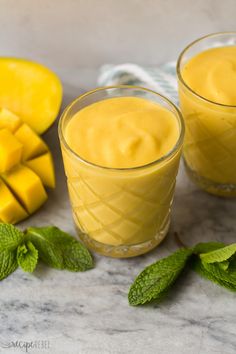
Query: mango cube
point(26, 166)
point(33, 145)
point(43, 167)
point(27, 186)
point(10, 209)
point(10, 150)
point(9, 120)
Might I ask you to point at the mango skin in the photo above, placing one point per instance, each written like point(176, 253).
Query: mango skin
point(31, 91)
point(26, 168)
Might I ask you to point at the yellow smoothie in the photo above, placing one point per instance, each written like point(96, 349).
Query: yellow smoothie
point(122, 132)
point(119, 195)
point(210, 141)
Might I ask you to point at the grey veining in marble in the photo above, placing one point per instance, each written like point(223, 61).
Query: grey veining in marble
point(89, 313)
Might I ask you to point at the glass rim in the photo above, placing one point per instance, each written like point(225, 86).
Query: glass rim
point(165, 157)
point(178, 70)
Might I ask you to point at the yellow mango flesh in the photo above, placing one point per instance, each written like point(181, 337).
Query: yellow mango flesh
point(10, 150)
point(31, 91)
point(10, 209)
point(9, 120)
point(26, 166)
point(32, 143)
point(27, 186)
point(46, 173)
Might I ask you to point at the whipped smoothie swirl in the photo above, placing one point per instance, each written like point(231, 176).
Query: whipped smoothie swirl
point(212, 75)
point(122, 132)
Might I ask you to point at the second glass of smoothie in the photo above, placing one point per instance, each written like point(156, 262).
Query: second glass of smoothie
point(207, 90)
point(121, 148)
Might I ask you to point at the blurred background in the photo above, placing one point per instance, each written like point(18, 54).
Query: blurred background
point(75, 37)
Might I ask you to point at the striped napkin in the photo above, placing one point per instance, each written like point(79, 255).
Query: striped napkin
point(161, 79)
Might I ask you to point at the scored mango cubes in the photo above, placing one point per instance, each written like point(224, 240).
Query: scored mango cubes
point(26, 167)
point(27, 187)
point(11, 210)
point(32, 143)
point(9, 120)
point(46, 174)
point(10, 150)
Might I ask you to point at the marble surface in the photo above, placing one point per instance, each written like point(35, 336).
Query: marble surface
point(89, 312)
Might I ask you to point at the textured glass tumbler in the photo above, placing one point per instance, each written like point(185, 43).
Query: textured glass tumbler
point(210, 140)
point(120, 212)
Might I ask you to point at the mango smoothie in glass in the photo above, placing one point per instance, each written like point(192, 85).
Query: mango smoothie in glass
point(207, 91)
point(121, 148)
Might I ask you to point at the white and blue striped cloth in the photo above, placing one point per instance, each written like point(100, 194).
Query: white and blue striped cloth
point(161, 79)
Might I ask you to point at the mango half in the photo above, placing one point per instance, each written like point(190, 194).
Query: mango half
point(31, 91)
point(26, 168)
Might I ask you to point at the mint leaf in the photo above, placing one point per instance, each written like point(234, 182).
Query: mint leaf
point(155, 280)
point(219, 255)
point(207, 247)
point(8, 263)
point(220, 273)
point(48, 249)
point(198, 266)
point(76, 257)
point(232, 264)
point(59, 249)
point(224, 265)
point(10, 237)
point(27, 257)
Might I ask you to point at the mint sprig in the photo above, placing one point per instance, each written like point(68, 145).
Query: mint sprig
point(198, 266)
point(8, 263)
point(27, 256)
point(220, 255)
point(60, 250)
point(157, 278)
point(10, 237)
point(214, 261)
point(53, 246)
